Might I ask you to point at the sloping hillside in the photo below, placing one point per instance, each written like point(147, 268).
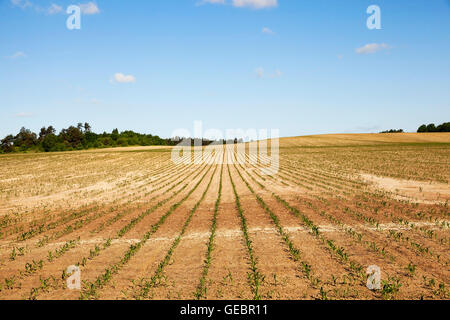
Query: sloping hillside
point(365, 139)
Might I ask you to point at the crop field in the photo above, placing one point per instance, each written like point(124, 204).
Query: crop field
point(140, 226)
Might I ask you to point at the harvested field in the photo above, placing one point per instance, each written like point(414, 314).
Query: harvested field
point(139, 226)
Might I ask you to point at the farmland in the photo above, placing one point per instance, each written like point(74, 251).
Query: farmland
point(139, 226)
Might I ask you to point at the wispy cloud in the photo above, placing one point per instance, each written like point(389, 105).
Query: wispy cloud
point(54, 9)
point(24, 115)
point(89, 8)
point(259, 72)
point(268, 31)
point(202, 2)
point(21, 3)
point(121, 78)
point(17, 55)
point(372, 48)
point(277, 74)
point(253, 4)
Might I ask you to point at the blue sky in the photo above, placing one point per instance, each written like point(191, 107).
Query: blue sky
point(301, 66)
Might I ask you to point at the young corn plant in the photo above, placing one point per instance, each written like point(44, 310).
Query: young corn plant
point(90, 289)
point(200, 293)
point(390, 287)
point(159, 272)
point(295, 253)
point(254, 277)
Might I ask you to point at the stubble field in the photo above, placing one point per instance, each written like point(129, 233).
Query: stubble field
point(139, 226)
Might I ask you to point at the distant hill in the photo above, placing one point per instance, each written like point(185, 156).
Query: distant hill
point(365, 139)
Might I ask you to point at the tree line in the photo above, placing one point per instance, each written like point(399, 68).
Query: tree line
point(393, 131)
point(78, 137)
point(445, 127)
point(81, 137)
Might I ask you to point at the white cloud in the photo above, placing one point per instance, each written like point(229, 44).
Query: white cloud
point(21, 3)
point(255, 4)
point(89, 8)
point(24, 115)
point(372, 48)
point(277, 74)
point(202, 2)
point(121, 78)
point(17, 55)
point(259, 72)
point(267, 31)
point(54, 9)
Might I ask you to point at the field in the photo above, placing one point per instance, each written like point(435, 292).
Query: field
point(142, 227)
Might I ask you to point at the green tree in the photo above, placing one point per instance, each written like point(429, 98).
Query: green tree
point(49, 143)
point(7, 144)
point(45, 132)
point(115, 134)
point(431, 127)
point(72, 136)
point(87, 127)
point(423, 128)
point(25, 139)
point(445, 127)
